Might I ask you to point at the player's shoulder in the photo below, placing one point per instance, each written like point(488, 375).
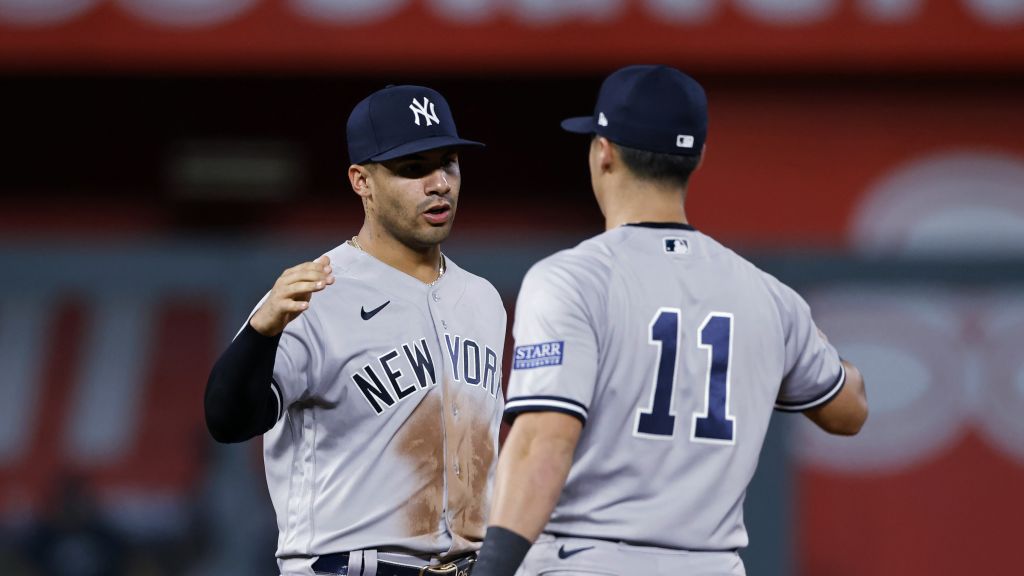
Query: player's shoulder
point(354, 277)
point(753, 276)
point(720, 252)
point(573, 279)
point(741, 263)
point(343, 258)
point(778, 289)
point(783, 295)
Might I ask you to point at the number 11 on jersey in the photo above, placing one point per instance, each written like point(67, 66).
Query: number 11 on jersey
point(712, 425)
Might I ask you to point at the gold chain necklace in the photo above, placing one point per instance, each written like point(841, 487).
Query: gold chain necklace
point(440, 269)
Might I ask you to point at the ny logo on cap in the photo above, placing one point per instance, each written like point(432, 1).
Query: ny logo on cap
point(421, 110)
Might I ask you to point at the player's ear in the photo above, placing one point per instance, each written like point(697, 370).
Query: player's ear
point(604, 154)
point(359, 177)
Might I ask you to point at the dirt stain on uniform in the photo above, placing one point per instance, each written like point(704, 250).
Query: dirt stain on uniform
point(471, 452)
point(467, 414)
point(421, 442)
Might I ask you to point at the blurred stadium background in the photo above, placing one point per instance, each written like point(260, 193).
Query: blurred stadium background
point(164, 159)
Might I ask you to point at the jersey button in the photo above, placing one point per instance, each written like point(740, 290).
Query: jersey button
point(457, 471)
point(455, 411)
point(444, 324)
point(436, 297)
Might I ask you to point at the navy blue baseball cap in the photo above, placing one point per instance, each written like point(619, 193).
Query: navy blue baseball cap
point(653, 108)
point(400, 120)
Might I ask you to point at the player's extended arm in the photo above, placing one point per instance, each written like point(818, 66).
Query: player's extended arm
point(532, 469)
point(239, 402)
point(846, 413)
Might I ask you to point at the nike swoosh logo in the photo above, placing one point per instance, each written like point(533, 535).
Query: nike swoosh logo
point(367, 315)
point(563, 553)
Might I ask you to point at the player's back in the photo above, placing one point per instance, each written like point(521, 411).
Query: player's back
point(676, 381)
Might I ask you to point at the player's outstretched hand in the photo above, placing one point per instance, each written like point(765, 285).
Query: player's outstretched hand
point(290, 295)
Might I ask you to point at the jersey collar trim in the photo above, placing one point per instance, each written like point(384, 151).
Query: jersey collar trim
point(673, 225)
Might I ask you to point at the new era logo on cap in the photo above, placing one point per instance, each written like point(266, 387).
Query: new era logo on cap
point(656, 108)
point(399, 121)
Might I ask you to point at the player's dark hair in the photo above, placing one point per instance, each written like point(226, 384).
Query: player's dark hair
point(668, 168)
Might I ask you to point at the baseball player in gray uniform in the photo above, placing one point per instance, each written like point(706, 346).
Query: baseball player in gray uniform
point(647, 363)
point(374, 371)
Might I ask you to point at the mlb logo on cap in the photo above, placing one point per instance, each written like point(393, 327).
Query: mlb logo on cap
point(398, 121)
point(653, 108)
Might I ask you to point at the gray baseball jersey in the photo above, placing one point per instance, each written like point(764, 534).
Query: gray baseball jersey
point(390, 396)
point(672, 350)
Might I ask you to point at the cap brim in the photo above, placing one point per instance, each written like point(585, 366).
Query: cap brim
point(423, 145)
point(579, 125)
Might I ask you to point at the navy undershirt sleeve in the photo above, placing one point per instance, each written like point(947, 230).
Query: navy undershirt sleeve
point(239, 400)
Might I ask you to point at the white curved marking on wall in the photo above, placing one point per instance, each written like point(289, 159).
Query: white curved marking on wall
point(891, 11)
point(1001, 13)
point(789, 12)
point(956, 366)
point(107, 399)
point(466, 11)
point(907, 345)
point(684, 11)
point(546, 12)
point(188, 13)
point(30, 13)
point(348, 12)
point(1000, 416)
point(24, 330)
point(959, 203)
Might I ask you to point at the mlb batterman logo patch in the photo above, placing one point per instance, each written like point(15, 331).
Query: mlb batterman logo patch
point(538, 355)
point(677, 246)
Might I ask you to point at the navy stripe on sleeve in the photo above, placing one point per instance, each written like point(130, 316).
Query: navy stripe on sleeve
point(520, 404)
point(822, 399)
